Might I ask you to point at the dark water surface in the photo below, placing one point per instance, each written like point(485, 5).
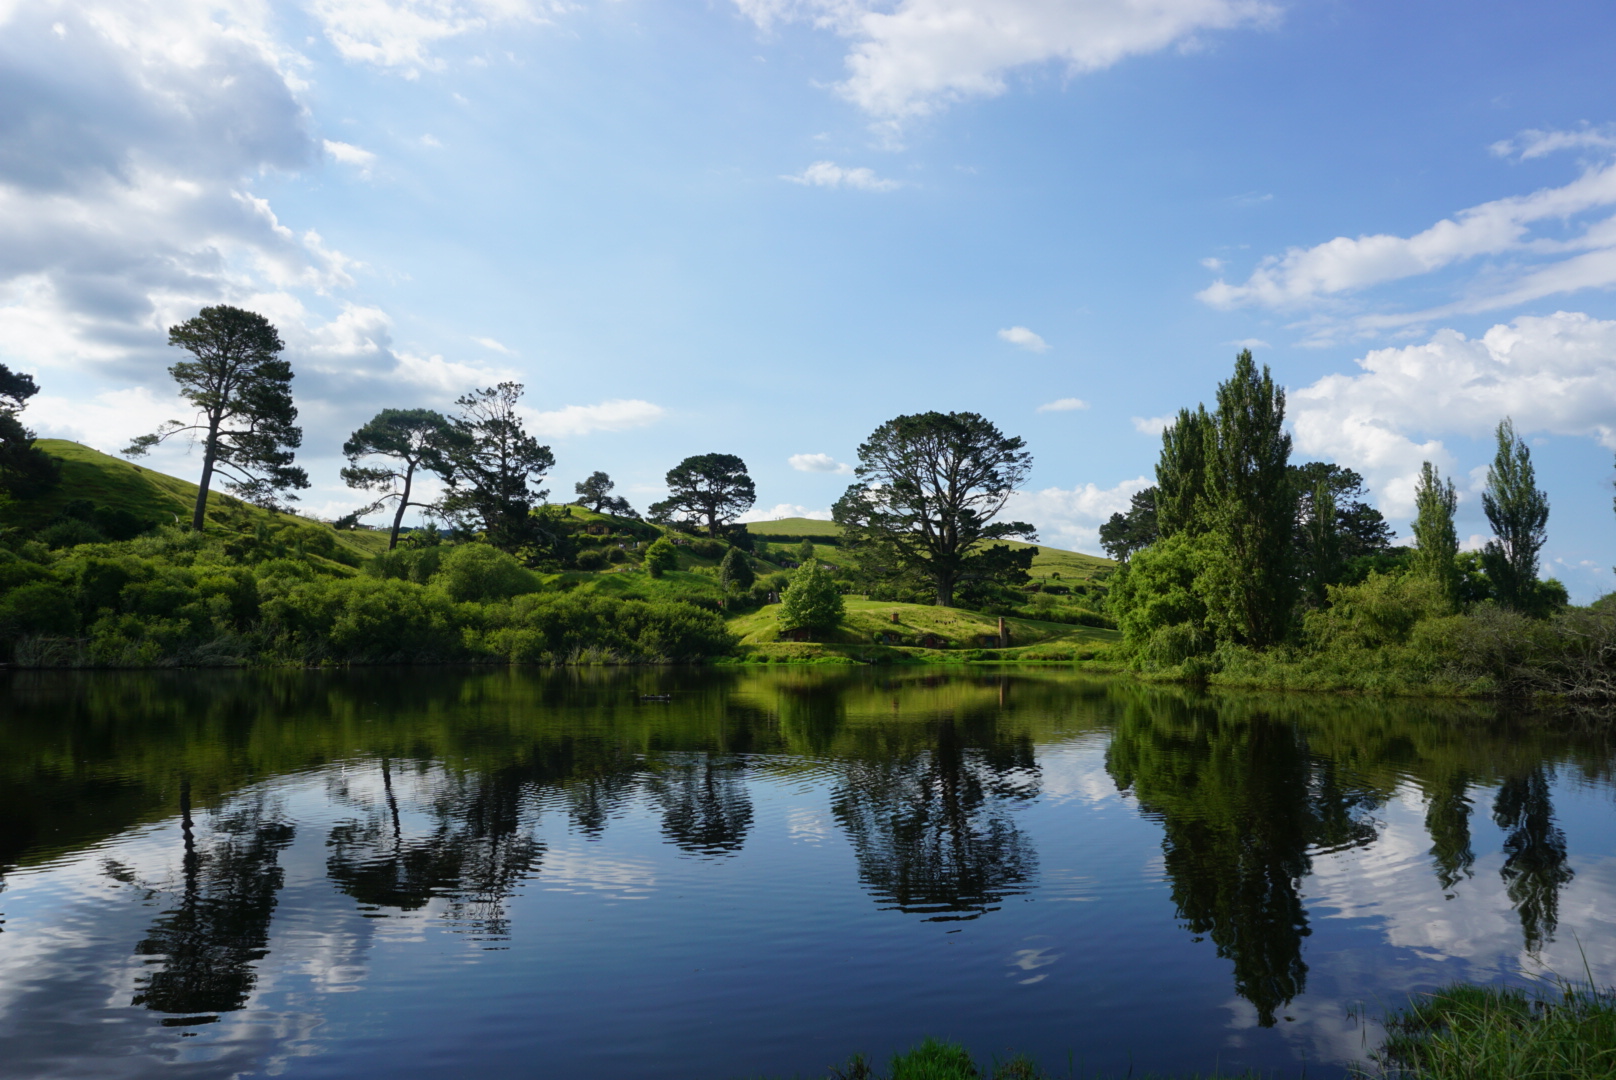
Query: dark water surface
point(499, 874)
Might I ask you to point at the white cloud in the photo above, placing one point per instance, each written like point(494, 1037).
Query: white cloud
point(1535, 144)
point(496, 346)
point(401, 33)
point(783, 510)
point(431, 142)
point(1251, 343)
point(913, 57)
point(1213, 264)
point(820, 463)
point(615, 415)
point(1072, 518)
point(1554, 374)
point(1065, 404)
point(1532, 266)
point(829, 174)
point(1026, 339)
point(349, 154)
point(1152, 425)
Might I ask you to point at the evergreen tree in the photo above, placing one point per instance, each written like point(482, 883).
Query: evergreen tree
point(495, 470)
point(596, 494)
point(242, 391)
point(1437, 551)
point(1323, 549)
point(408, 439)
point(25, 470)
point(1518, 512)
point(812, 601)
point(710, 488)
point(1125, 534)
point(1181, 473)
point(1251, 503)
point(735, 572)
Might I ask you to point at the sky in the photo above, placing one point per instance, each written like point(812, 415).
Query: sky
point(765, 227)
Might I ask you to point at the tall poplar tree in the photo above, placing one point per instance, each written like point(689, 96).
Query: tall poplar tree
point(1251, 502)
point(1181, 473)
point(1518, 511)
point(242, 391)
point(1435, 537)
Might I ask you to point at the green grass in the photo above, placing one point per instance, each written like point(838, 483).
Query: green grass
point(159, 498)
point(931, 1059)
point(1566, 1031)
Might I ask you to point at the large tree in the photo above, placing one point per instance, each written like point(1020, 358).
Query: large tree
point(1125, 534)
point(596, 494)
point(1518, 511)
point(929, 488)
point(404, 441)
point(24, 468)
point(1251, 503)
point(1181, 473)
point(495, 470)
point(713, 489)
point(1437, 550)
point(242, 391)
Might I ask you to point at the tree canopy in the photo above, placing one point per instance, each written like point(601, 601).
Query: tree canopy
point(929, 488)
point(407, 440)
point(596, 494)
point(812, 601)
point(24, 469)
point(495, 469)
point(711, 489)
point(1518, 512)
point(1435, 556)
point(242, 391)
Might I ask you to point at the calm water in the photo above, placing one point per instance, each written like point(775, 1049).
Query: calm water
point(491, 874)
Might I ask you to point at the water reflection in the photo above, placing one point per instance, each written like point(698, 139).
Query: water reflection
point(442, 785)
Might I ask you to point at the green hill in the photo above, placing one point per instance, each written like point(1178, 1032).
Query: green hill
point(159, 499)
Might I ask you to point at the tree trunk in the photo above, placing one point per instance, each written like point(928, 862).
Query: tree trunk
point(403, 504)
point(945, 590)
point(198, 518)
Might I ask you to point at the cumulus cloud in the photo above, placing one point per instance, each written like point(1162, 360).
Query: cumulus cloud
point(616, 415)
point(1527, 266)
point(1535, 144)
point(1152, 425)
point(1553, 374)
point(783, 510)
point(1065, 404)
point(400, 34)
point(820, 463)
point(1026, 339)
point(349, 154)
point(913, 57)
point(831, 175)
point(1071, 518)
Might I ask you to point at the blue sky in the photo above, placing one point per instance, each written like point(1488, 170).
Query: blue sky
point(764, 227)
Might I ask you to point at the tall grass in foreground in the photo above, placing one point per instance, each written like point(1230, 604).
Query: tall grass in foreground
point(1475, 1032)
point(933, 1060)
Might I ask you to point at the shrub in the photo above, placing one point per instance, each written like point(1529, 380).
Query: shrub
point(70, 532)
point(661, 557)
point(813, 601)
point(481, 572)
point(40, 607)
point(735, 572)
point(592, 559)
point(616, 555)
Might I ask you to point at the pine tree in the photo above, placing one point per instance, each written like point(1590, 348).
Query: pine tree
point(1435, 501)
point(735, 572)
point(1518, 511)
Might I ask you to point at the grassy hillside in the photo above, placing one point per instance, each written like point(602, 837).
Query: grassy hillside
point(155, 497)
point(1050, 564)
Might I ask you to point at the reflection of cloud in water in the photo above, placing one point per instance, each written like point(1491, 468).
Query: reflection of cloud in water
point(1075, 772)
point(1027, 961)
point(807, 826)
point(575, 870)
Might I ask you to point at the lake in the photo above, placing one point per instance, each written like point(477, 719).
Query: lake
point(687, 873)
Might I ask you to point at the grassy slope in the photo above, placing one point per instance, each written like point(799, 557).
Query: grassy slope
point(1072, 566)
point(866, 619)
point(112, 482)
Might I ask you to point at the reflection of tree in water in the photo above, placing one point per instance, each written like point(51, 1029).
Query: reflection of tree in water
point(1447, 820)
point(1241, 802)
point(209, 942)
point(1534, 854)
point(705, 806)
point(932, 828)
point(477, 854)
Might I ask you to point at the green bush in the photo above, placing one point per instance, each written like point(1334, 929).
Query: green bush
point(481, 572)
point(812, 602)
point(661, 557)
point(592, 559)
point(39, 607)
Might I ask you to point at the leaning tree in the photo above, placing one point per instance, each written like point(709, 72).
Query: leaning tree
point(242, 391)
point(930, 486)
point(596, 494)
point(712, 489)
point(398, 443)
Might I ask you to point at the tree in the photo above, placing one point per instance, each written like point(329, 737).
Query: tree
point(412, 439)
point(1181, 473)
point(242, 391)
point(495, 470)
point(1125, 534)
point(1251, 503)
point(1436, 555)
point(930, 485)
point(25, 469)
point(661, 557)
point(1361, 529)
point(595, 493)
point(735, 572)
point(1518, 512)
point(1323, 543)
point(811, 602)
point(710, 488)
